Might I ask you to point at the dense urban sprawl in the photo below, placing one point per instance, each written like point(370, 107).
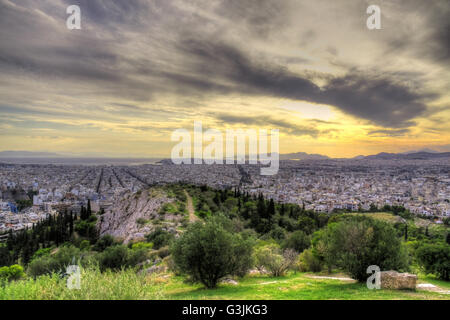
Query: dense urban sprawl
point(29, 192)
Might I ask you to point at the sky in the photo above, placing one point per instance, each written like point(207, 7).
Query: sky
point(140, 69)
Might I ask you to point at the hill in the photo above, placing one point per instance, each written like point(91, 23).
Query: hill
point(409, 156)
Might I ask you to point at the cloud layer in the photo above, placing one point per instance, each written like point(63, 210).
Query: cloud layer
point(170, 59)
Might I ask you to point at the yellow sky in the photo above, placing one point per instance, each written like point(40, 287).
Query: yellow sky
point(136, 73)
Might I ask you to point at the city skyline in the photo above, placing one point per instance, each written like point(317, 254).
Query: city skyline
point(136, 72)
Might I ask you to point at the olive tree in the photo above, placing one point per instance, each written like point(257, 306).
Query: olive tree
point(275, 260)
point(208, 252)
point(355, 244)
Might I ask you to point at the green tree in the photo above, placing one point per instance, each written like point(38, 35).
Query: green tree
point(14, 272)
point(307, 261)
point(104, 242)
point(298, 241)
point(273, 259)
point(435, 259)
point(208, 252)
point(355, 244)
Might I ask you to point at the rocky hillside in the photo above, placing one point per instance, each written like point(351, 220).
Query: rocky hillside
point(134, 215)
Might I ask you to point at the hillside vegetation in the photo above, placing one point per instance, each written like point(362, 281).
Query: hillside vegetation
point(192, 242)
point(129, 285)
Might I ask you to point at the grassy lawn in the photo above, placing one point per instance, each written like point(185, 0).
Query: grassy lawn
point(433, 280)
point(291, 287)
point(128, 285)
point(384, 216)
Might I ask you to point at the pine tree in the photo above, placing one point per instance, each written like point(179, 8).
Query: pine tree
point(271, 209)
point(88, 211)
point(282, 209)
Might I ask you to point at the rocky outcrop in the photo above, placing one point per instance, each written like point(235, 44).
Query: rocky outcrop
point(154, 269)
point(396, 280)
point(121, 219)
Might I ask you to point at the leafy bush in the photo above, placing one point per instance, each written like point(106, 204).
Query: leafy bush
point(141, 245)
point(163, 252)
point(104, 242)
point(14, 272)
point(435, 259)
point(56, 262)
point(275, 260)
point(168, 208)
point(85, 245)
point(141, 221)
point(160, 238)
point(86, 228)
point(208, 252)
point(113, 258)
point(307, 261)
point(355, 244)
point(41, 252)
point(297, 241)
point(119, 257)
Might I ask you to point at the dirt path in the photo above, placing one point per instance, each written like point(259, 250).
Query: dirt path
point(190, 208)
point(431, 287)
point(332, 278)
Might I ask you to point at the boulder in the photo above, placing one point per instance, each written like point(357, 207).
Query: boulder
point(396, 280)
point(258, 271)
point(230, 281)
point(154, 269)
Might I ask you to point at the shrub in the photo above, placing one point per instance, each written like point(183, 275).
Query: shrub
point(141, 221)
point(297, 241)
point(57, 262)
point(277, 233)
point(114, 258)
point(307, 261)
point(208, 252)
point(41, 252)
point(14, 272)
point(136, 256)
point(435, 259)
point(86, 228)
point(160, 238)
point(104, 242)
point(307, 224)
point(85, 245)
point(274, 260)
point(141, 245)
point(119, 257)
point(355, 244)
point(163, 252)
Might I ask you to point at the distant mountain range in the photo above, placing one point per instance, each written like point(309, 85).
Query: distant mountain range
point(28, 154)
point(423, 154)
point(302, 156)
point(415, 155)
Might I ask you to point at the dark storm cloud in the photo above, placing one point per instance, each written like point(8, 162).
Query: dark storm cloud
point(184, 57)
point(288, 127)
point(430, 39)
point(220, 60)
point(380, 100)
